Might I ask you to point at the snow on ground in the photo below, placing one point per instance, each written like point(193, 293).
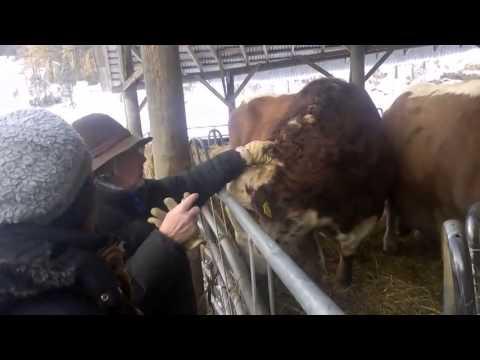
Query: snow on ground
point(13, 87)
point(204, 110)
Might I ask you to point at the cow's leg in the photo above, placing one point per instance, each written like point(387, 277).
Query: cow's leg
point(344, 274)
point(390, 245)
point(348, 246)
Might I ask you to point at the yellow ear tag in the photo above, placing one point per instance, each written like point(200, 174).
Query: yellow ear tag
point(266, 209)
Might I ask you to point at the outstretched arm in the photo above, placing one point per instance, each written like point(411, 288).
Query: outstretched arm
point(204, 179)
point(210, 176)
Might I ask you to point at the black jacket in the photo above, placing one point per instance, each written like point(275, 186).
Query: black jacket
point(46, 270)
point(124, 213)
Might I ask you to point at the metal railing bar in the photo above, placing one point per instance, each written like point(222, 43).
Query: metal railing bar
point(304, 290)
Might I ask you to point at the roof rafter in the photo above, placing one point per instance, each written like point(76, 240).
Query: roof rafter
point(214, 53)
point(245, 56)
point(194, 57)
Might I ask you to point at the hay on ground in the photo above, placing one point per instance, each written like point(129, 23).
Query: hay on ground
point(409, 283)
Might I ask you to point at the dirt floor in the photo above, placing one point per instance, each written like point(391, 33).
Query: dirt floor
point(409, 282)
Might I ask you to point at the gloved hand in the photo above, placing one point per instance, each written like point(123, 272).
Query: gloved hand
point(180, 221)
point(256, 152)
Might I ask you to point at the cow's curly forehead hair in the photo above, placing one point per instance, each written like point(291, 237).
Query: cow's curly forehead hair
point(332, 152)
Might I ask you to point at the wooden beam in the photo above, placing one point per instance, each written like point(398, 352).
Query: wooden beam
point(143, 103)
point(345, 46)
point(319, 69)
point(378, 64)
point(130, 96)
point(245, 56)
point(104, 52)
point(212, 89)
point(133, 78)
point(123, 58)
point(230, 95)
point(136, 54)
point(220, 66)
point(265, 51)
point(191, 52)
point(293, 50)
point(246, 80)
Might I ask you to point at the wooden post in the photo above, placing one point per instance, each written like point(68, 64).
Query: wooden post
point(230, 95)
point(166, 108)
point(357, 65)
point(130, 98)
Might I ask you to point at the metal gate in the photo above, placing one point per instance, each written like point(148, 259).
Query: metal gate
point(461, 264)
point(230, 282)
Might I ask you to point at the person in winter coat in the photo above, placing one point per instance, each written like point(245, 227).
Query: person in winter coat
point(51, 262)
point(125, 202)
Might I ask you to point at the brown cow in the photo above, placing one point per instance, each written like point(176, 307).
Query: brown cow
point(330, 168)
point(435, 134)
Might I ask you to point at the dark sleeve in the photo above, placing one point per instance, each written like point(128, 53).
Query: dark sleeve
point(153, 258)
point(161, 277)
point(205, 179)
point(114, 222)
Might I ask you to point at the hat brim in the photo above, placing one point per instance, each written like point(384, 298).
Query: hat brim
point(119, 148)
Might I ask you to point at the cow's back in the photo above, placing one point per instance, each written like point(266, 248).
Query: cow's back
point(435, 134)
point(257, 119)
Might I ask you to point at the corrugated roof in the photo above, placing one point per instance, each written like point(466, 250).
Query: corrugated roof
point(210, 61)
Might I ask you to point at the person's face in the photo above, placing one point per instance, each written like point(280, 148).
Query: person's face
point(128, 168)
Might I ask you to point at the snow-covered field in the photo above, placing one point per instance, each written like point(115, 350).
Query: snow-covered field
point(204, 110)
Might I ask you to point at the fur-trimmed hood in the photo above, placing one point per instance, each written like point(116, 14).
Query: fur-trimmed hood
point(36, 260)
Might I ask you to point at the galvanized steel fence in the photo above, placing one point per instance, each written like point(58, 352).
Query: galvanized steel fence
point(230, 281)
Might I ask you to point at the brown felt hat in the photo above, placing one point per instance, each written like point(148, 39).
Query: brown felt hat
point(105, 138)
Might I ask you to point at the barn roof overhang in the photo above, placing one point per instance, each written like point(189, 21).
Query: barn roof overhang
point(207, 62)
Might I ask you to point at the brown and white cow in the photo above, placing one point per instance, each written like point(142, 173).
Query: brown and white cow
point(330, 169)
point(435, 135)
